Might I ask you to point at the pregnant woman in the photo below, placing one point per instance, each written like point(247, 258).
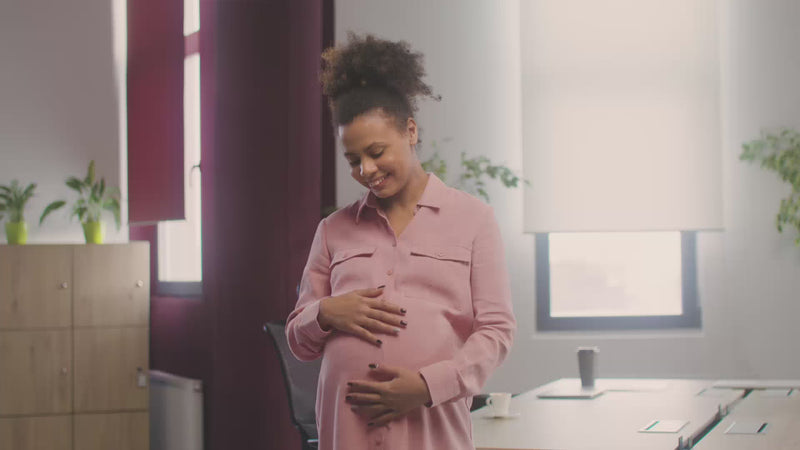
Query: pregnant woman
point(405, 293)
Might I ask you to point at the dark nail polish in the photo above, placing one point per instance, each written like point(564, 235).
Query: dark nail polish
point(403, 310)
point(403, 323)
point(380, 342)
point(348, 398)
point(371, 424)
point(373, 366)
point(381, 286)
point(350, 384)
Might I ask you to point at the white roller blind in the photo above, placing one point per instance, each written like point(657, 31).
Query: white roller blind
point(621, 122)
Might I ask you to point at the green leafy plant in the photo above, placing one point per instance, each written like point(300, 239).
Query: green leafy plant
point(475, 172)
point(93, 199)
point(780, 152)
point(13, 199)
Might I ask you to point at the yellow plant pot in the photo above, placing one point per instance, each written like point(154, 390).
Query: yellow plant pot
point(17, 233)
point(94, 232)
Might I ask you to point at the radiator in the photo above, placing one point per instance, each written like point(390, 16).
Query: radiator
point(176, 412)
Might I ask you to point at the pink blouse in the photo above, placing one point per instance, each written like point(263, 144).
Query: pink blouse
point(447, 270)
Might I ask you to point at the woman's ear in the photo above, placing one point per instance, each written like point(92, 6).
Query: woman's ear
point(411, 130)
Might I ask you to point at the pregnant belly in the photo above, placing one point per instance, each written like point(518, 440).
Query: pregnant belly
point(347, 358)
point(432, 335)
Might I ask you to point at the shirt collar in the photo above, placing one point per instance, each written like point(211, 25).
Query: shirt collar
point(432, 196)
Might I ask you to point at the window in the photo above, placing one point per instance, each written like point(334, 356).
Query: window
point(626, 280)
point(621, 141)
point(180, 242)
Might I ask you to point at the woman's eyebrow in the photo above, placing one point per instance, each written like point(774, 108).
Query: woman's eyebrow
point(368, 148)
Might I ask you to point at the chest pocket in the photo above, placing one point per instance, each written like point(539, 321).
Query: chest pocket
point(351, 269)
point(440, 274)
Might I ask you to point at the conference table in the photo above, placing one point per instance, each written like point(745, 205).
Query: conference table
point(767, 418)
point(619, 413)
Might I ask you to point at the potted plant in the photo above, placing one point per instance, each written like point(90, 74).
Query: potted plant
point(12, 202)
point(93, 199)
point(780, 152)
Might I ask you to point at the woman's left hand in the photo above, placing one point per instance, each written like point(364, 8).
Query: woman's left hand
point(400, 391)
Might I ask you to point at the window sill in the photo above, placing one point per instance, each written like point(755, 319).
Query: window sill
point(183, 289)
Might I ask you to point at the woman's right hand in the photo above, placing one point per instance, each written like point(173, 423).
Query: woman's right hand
point(361, 313)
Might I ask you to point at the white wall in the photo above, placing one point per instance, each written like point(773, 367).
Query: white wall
point(59, 105)
point(748, 274)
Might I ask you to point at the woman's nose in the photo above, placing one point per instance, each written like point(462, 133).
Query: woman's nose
point(367, 167)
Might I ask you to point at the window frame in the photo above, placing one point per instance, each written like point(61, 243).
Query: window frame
point(182, 289)
point(692, 313)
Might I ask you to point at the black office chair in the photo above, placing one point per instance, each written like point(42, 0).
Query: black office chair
point(301, 385)
point(478, 401)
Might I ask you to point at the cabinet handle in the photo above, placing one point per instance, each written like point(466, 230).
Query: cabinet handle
point(141, 378)
point(139, 283)
point(63, 285)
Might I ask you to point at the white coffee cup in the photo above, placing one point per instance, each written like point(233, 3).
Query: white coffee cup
point(587, 365)
point(498, 403)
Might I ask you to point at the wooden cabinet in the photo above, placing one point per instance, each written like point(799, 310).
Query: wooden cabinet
point(74, 328)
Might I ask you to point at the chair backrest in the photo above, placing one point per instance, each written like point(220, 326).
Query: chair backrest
point(301, 380)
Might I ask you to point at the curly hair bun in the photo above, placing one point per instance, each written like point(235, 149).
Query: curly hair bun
point(369, 73)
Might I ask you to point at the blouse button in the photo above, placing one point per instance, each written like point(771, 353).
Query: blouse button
point(389, 272)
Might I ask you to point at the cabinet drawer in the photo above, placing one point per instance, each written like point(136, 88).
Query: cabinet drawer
point(119, 431)
point(35, 372)
point(36, 433)
point(108, 362)
point(35, 286)
point(112, 284)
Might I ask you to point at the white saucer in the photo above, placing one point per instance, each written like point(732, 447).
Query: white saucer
point(510, 415)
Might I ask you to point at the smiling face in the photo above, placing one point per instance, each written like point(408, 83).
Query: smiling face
point(381, 157)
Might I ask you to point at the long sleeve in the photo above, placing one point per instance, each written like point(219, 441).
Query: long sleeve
point(494, 323)
point(306, 337)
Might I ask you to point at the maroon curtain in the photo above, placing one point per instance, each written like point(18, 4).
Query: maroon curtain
point(155, 110)
point(262, 176)
point(264, 134)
